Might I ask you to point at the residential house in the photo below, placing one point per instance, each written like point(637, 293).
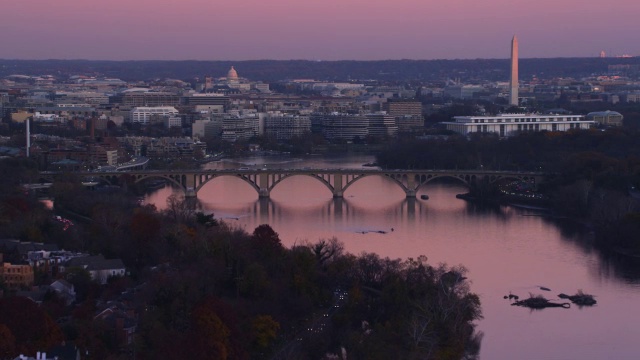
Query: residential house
point(65, 290)
point(99, 268)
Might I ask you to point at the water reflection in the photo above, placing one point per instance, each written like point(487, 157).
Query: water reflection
point(331, 210)
point(505, 249)
point(305, 209)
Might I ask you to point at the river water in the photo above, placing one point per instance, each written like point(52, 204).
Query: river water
point(506, 249)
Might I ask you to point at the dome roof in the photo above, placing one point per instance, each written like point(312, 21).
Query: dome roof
point(232, 74)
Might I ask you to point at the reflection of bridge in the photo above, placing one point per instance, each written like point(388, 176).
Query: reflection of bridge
point(336, 180)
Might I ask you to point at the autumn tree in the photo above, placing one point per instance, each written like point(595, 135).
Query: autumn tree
point(31, 327)
point(7, 343)
point(213, 333)
point(264, 330)
point(145, 229)
point(265, 236)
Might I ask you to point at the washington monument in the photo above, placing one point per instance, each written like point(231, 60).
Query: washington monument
point(513, 82)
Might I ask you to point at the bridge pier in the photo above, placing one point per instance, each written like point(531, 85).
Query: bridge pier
point(338, 189)
point(411, 194)
point(190, 193)
point(264, 194)
point(190, 186)
point(263, 186)
point(336, 180)
point(411, 186)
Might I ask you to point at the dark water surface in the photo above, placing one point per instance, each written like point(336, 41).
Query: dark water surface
point(506, 249)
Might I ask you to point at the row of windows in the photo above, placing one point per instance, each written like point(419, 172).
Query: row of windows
point(527, 120)
point(17, 278)
point(16, 270)
point(522, 127)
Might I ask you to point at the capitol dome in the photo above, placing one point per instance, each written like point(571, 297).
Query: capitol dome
point(232, 75)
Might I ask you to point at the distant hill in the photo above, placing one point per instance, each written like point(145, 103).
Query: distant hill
point(274, 70)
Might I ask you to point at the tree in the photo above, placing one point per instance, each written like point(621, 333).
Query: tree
point(82, 283)
point(179, 209)
point(206, 219)
point(213, 333)
point(265, 236)
point(31, 327)
point(325, 250)
point(264, 330)
point(7, 343)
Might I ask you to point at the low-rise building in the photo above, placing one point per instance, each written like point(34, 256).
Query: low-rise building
point(16, 276)
point(510, 124)
point(606, 118)
point(341, 126)
point(286, 126)
point(172, 121)
point(143, 114)
point(97, 266)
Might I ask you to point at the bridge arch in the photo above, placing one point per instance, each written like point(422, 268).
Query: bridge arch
point(315, 176)
point(139, 178)
point(336, 180)
point(465, 179)
point(394, 179)
point(246, 179)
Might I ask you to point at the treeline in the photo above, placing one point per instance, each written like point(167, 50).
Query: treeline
point(203, 289)
point(343, 70)
point(592, 175)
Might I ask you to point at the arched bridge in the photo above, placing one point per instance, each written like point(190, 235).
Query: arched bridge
point(336, 180)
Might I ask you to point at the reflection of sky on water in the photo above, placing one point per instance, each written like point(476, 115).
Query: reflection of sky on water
point(505, 249)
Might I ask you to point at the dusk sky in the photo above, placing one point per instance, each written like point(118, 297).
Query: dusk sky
point(315, 29)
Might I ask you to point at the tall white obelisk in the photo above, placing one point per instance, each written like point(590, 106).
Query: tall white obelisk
point(513, 82)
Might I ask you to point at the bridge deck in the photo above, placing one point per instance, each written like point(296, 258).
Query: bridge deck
point(336, 180)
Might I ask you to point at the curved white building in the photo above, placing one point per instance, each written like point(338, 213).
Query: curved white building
point(510, 124)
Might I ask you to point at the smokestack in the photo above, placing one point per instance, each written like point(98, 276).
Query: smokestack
point(93, 128)
point(28, 136)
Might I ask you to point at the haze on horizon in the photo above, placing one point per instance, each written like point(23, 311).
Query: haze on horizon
point(315, 29)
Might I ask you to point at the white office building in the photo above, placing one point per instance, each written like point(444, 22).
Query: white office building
point(382, 125)
point(340, 126)
point(172, 121)
point(511, 124)
point(198, 128)
point(143, 114)
point(286, 126)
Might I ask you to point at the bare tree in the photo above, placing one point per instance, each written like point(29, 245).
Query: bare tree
point(325, 250)
point(180, 209)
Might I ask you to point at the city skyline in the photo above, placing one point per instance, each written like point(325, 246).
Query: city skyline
point(313, 29)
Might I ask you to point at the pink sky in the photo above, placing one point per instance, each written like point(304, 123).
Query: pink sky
point(314, 29)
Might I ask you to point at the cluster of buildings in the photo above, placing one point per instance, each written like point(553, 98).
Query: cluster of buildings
point(508, 124)
point(173, 118)
point(618, 84)
point(21, 260)
point(89, 104)
point(187, 115)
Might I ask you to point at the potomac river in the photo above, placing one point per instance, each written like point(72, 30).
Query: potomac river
point(505, 248)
